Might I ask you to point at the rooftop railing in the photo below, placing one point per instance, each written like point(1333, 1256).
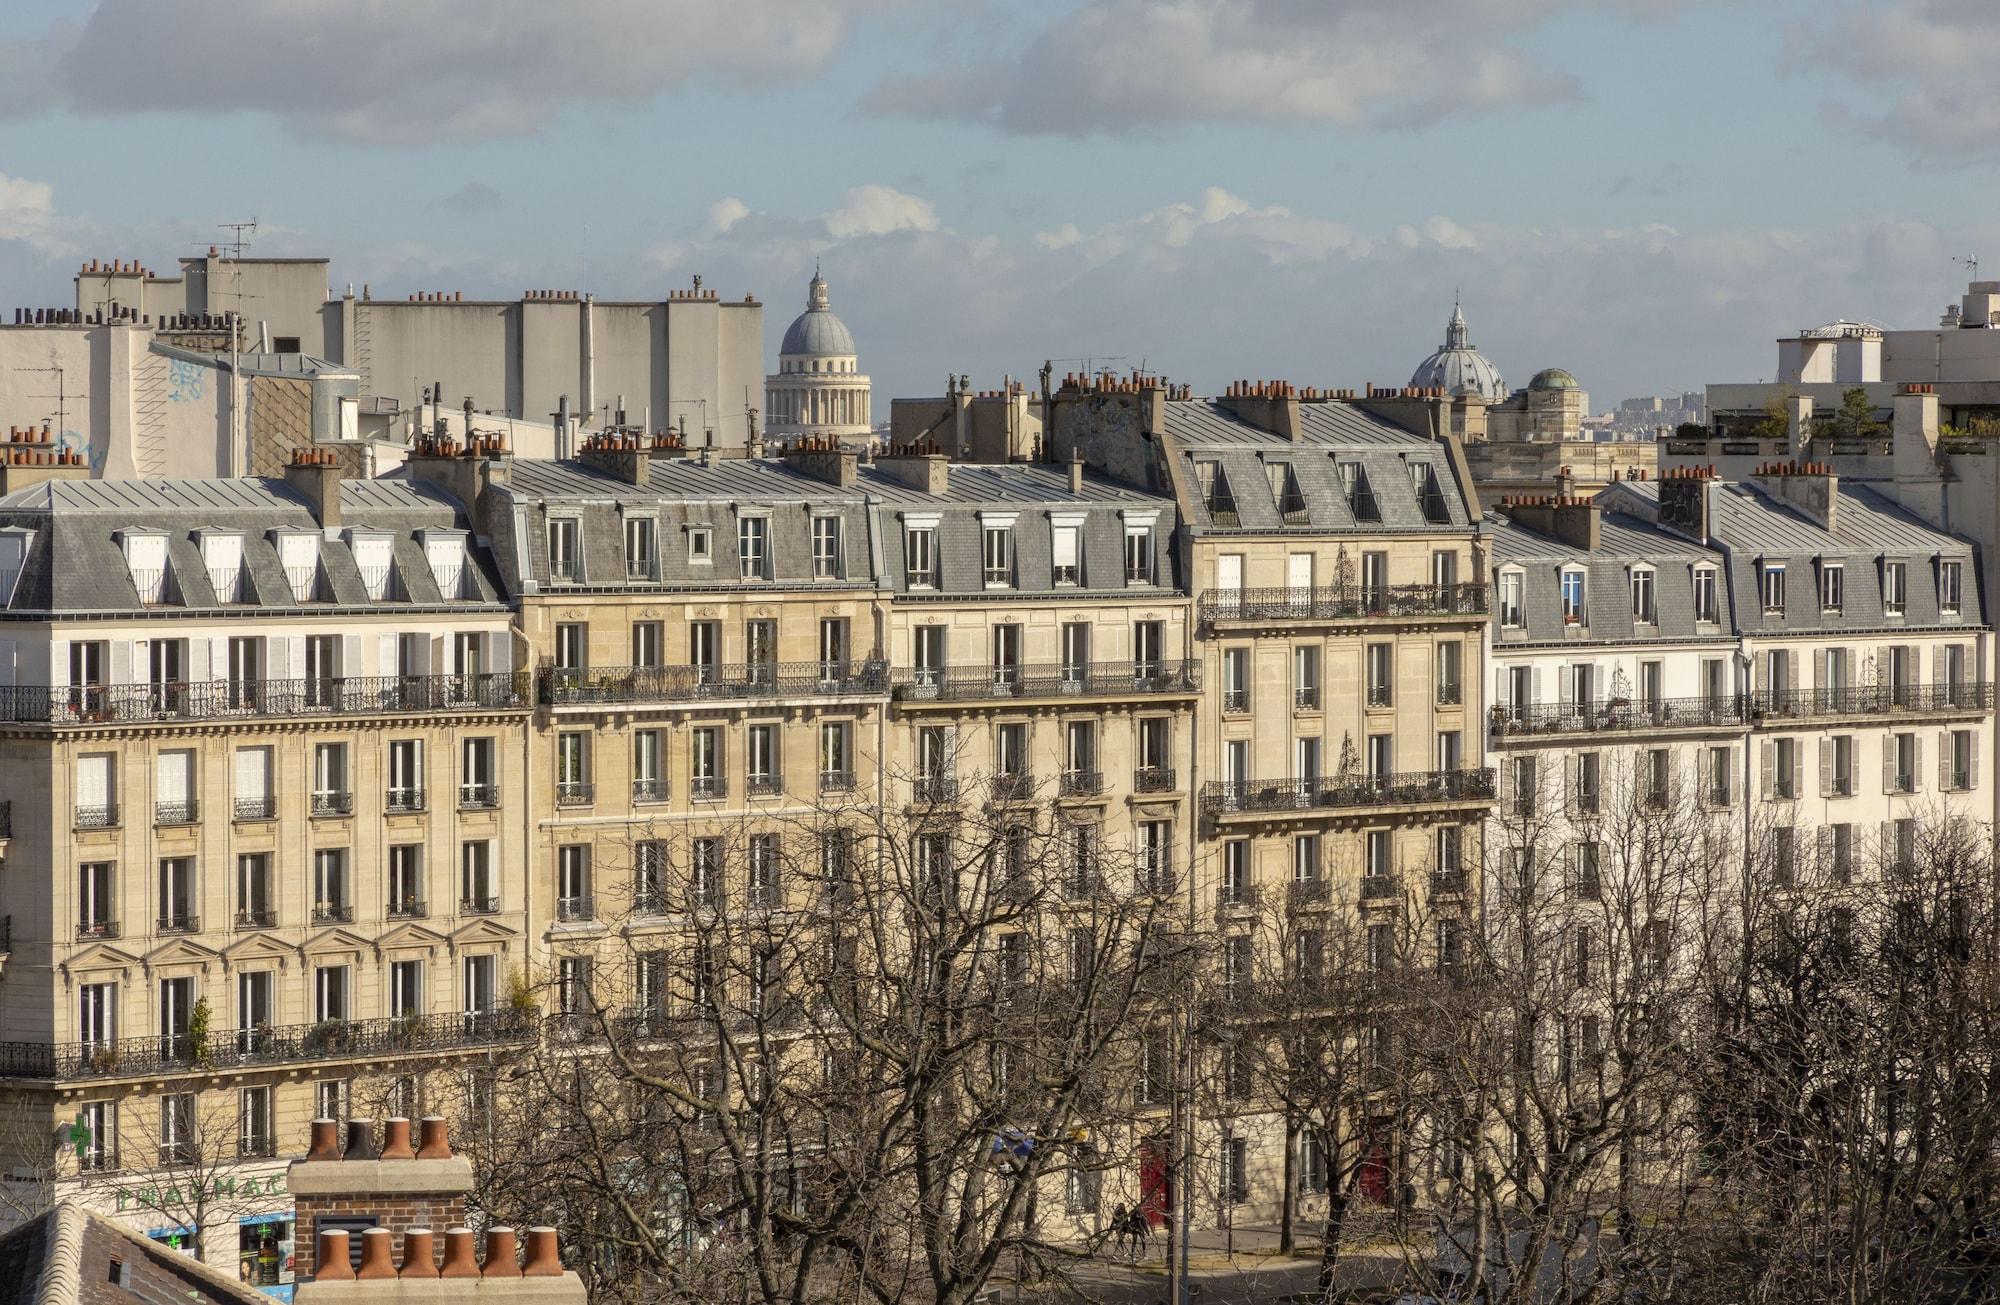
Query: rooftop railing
point(1408, 788)
point(1076, 679)
point(563, 687)
point(1342, 602)
point(227, 699)
point(1625, 714)
point(265, 1045)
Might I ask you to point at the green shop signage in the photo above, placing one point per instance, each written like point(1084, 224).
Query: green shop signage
point(155, 1197)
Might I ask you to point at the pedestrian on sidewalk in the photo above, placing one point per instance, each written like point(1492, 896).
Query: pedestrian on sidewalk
point(1118, 1229)
point(1142, 1233)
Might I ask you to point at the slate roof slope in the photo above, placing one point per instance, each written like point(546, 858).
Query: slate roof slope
point(1757, 529)
point(75, 563)
point(1333, 433)
point(1623, 542)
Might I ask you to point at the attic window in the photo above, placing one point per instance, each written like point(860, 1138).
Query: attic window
point(13, 558)
point(375, 558)
point(298, 554)
point(146, 563)
point(1430, 496)
point(1215, 494)
point(1360, 498)
point(222, 558)
point(444, 552)
point(1285, 492)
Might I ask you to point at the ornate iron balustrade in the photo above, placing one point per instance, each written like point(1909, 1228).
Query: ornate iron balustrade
point(1082, 783)
point(1616, 714)
point(1153, 779)
point(479, 906)
point(1235, 897)
point(97, 817)
point(478, 797)
point(1377, 888)
point(650, 790)
point(562, 687)
point(88, 929)
point(1408, 788)
point(570, 910)
point(179, 922)
point(934, 788)
point(403, 799)
point(764, 785)
point(1019, 787)
point(224, 699)
point(256, 808)
point(836, 781)
point(1078, 680)
point(409, 908)
point(175, 813)
point(575, 793)
point(265, 1045)
point(709, 788)
point(333, 804)
point(1874, 700)
point(333, 913)
point(1342, 602)
point(256, 918)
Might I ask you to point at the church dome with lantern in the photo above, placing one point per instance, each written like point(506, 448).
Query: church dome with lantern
point(1458, 368)
point(819, 388)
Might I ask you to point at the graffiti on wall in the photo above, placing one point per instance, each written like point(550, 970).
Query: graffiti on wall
point(187, 382)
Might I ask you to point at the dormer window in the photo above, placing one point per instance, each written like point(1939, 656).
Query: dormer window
point(1773, 583)
point(1705, 607)
point(1572, 596)
point(444, 553)
point(13, 560)
point(1643, 609)
point(996, 549)
point(641, 550)
point(375, 557)
point(826, 547)
point(222, 558)
point(1951, 585)
point(1512, 615)
point(1832, 587)
point(1213, 482)
point(920, 551)
point(753, 537)
point(298, 554)
point(1430, 495)
point(146, 563)
point(1067, 541)
point(1360, 497)
point(1285, 493)
point(1895, 587)
point(701, 544)
point(565, 552)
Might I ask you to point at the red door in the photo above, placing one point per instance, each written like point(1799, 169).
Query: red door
point(1153, 1182)
point(1374, 1176)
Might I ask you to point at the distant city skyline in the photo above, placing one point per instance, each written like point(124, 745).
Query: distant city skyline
point(1644, 192)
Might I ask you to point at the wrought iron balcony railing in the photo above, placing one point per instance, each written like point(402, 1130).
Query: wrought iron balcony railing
point(1017, 787)
point(650, 790)
point(1626, 714)
point(333, 912)
point(575, 793)
point(223, 699)
point(1235, 897)
point(403, 799)
point(178, 922)
point(478, 797)
point(1874, 700)
point(97, 817)
point(1072, 680)
point(175, 813)
point(1305, 697)
point(1341, 602)
point(256, 917)
point(265, 1045)
point(934, 788)
point(709, 788)
point(570, 910)
point(836, 781)
point(478, 905)
point(407, 908)
point(86, 929)
point(564, 687)
point(256, 808)
point(1380, 888)
point(1153, 779)
point(1408, 788)
point(333, 804)
point(764, 785)
point(1082, 783)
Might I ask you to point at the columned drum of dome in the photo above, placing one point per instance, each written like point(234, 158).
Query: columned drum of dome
point(1458, 368)
point(819, 388)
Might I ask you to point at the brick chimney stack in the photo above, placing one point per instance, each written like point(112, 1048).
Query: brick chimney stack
point(315, 474)
point(371, 1200)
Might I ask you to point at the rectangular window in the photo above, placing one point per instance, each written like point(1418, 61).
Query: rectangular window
point(1138, 555)
point(766, 860)
point(762, 769)
point(1720, 790)
point(1381, 673)
point(920, 556)
point(1642, 597)
point(836, 757)
point(1962, 760)
point(1832, 587)
point(1305, 677)
point(573, 985)
point(826, 548)
point(573, 895)
point(331, 903)
point(1572, 597)
point(573, 783)
point(1512, 616)
point(330, 990)
point(1235, 886)
point(1705, 609)
point(1773, 587)
point(997, 556)
point(1843, 853)
point(1450, 657)
point(406, 775)
point(330, 793)
point(1068, 545)
point(564, 563)
point(406, 881)
point(256, 896)
point(479, 892)
point(1236, 679)
point(1840, 767)
point(641, 554)
point(1589, 782)
point(406, 988)
point(97, 1148)
point(178, 1143)
point(1149, 648)
point(1895, 587)
point(647, 637)
point(751, 537)
point(705, 774)
point(1904, 776)
point(97, 1014)
point(1360, 497)
point(177, 895)
point(1785, 762)
point(96, 905)
point(1951, 586)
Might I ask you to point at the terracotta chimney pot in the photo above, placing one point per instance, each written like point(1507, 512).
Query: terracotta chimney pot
point(378, 1254)
point(333, 1264)
point(544, 1257)
point(325, 1140)
point(460, 1261)
point(396, 1140)
point(502, 1260)
point(418, 1261)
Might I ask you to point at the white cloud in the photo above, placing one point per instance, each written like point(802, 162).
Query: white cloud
point(1933, 57)
point(28, 212)
point(417, 70)
point(877, 210)
point(725, 213)
point(1138, 65)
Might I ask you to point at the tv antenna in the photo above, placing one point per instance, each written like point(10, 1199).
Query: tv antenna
point(240, 236)
point(62, 396)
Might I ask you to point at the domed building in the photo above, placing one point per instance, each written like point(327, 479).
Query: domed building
point(1458, 368)
point(818, 388)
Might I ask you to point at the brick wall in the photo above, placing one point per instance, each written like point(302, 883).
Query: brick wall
point(398, 1213)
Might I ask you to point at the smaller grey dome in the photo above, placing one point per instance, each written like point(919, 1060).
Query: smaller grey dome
point(1553, 378)
point(817, 332)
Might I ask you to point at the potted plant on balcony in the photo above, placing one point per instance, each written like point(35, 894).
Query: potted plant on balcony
point(197, 1034)
point(103, 1060)
point(327, 1036)
point(409, 1030)
point(522, 1003)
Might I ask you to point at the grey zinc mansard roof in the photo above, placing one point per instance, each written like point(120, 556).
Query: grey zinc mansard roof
point(75, 562)
point(1755, 528)
point(1331, 432)
point(1622, 541)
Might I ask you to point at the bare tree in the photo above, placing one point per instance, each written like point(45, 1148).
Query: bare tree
point(858, 1052)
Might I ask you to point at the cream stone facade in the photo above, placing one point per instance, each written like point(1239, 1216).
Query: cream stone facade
point(259, 732)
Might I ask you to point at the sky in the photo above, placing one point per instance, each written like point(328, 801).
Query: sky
point(1646, 192)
